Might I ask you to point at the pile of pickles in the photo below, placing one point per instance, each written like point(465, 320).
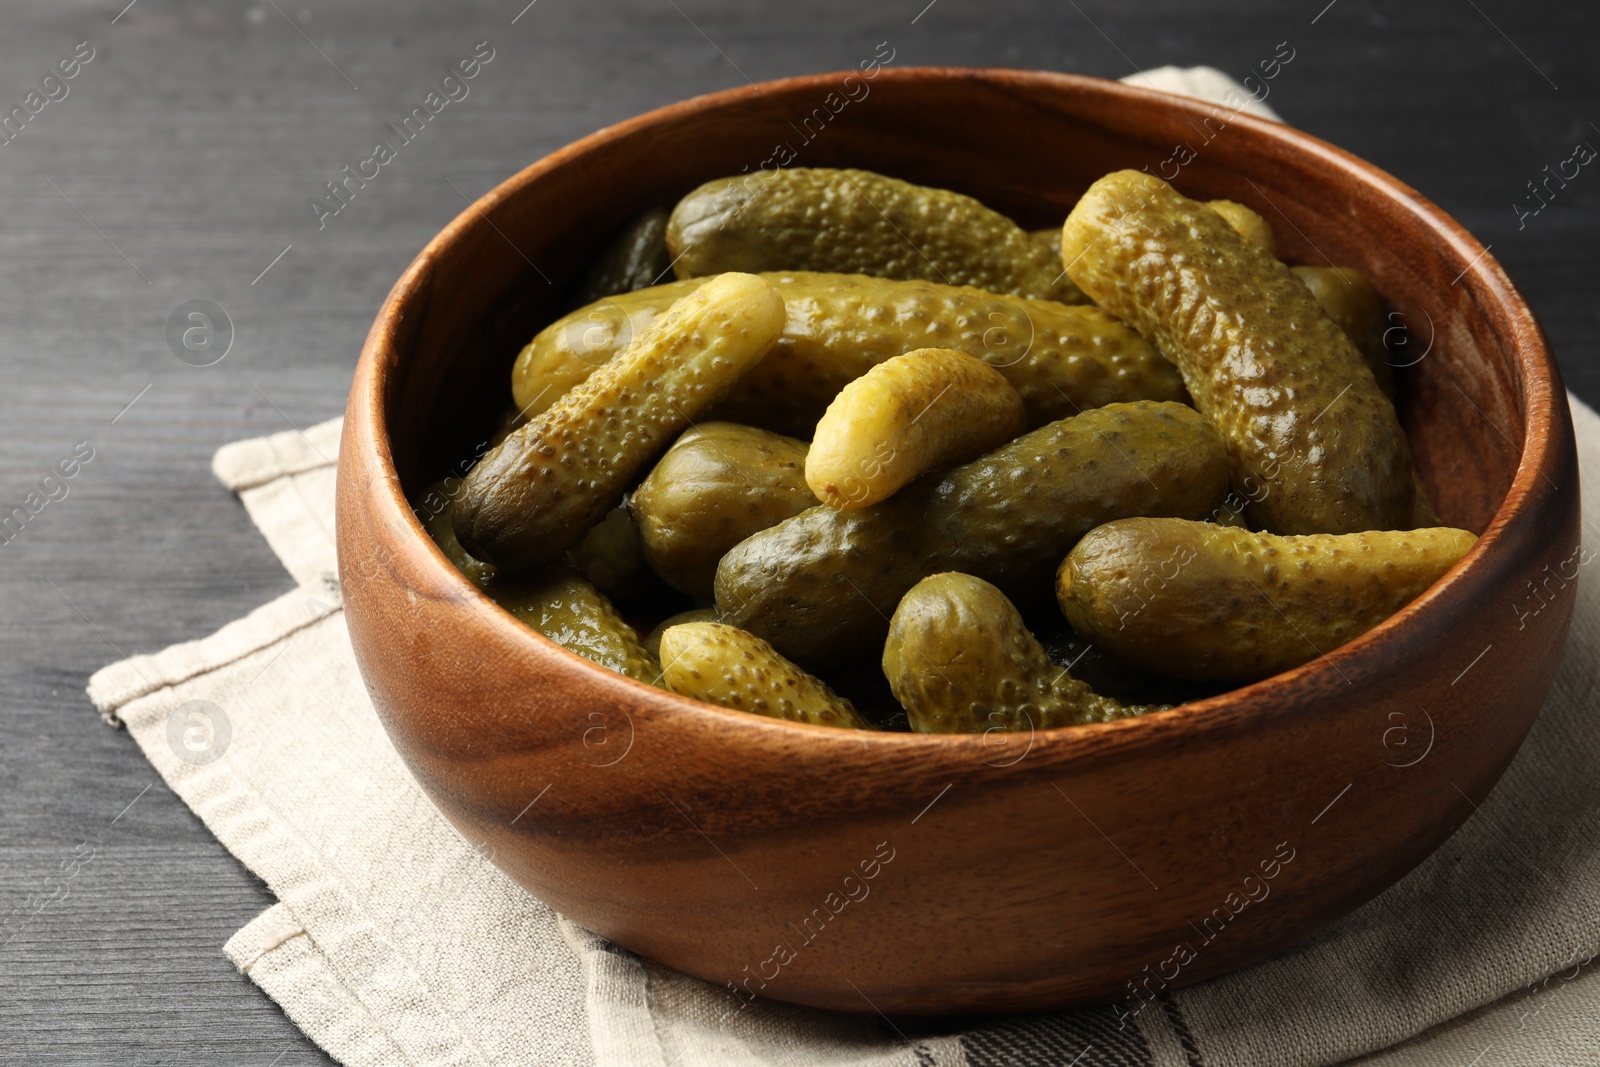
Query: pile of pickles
point(879, 458)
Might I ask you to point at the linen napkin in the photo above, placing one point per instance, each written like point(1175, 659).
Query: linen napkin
point(397, 941)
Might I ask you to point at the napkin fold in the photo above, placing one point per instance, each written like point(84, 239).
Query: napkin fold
point(397, 941)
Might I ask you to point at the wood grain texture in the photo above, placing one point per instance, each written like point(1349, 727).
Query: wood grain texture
point(192, 141)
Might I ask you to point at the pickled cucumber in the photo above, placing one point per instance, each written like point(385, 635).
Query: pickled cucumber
point(565, 607)
point(1050, 238)
point(563, 355)
point(1300, 411)
point(1103, 672)
point(652, 640)
point(821, 586)
point(434, 508)
point(718, 484)
point(611, 556)
point(726, 666)
point(558, 603)
point(1348, 298)
point(1195, 600)
point(536, 494)
point(912, 414)
point(858, 222)
point(1247, 224)
point(636, 256)
point(960, 660)
point(1357, 309)
point(1061, 359)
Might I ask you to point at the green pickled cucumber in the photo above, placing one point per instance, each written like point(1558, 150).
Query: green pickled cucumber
point(1348, 298)
point(858, 222)
point(636, 256)
point(821, 586)
point(726, 666)
point(1287, 389)
point(612, 557)
point(1200, 601)
point(558, 603)
point(1102, 671)
point(567, 608)
point(540, 490)
point(1357, 309)
point(960, 660)
point(1050, 239)
point(1061, 359)
point(434, 509)
point(718, 484)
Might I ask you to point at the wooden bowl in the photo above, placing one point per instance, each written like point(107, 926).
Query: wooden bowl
point(909, 873)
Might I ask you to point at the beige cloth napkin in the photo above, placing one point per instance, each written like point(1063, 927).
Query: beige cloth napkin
point(396, 941)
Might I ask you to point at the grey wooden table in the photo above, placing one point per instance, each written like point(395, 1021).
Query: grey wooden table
point(176, 164)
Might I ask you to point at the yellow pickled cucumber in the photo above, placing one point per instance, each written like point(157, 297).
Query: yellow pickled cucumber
point(718, 484)
point(821, 586)
point(652, 640)
point(960, 660)
point(1061, 359)
point(1200, 601)
point(858, 222)
point(724, 665)
point(1287, 389)
point(914, 413)
point(540, 490)
point(1247, 224)
point(563, 355)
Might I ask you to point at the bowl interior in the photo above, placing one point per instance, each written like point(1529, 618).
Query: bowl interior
point(1025, 144)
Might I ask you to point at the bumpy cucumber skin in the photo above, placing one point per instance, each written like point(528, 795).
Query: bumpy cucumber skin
point(820, 586)
point(563, 355)
point(1200, 601)
point(567, 608)
point(1247, 224)
point(636, 256)
point(725, 666)
point(1357, 309)
point(718, 484)
point(540, 490)
point(1050, 239)
point(1060, 358)
point(559, 603)
point(923, 411)
point(652, 640)
point(960, 660)
point(858, 222)
point(1288, 391)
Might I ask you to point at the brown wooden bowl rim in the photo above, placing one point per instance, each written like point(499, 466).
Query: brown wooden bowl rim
point(1351, 662)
